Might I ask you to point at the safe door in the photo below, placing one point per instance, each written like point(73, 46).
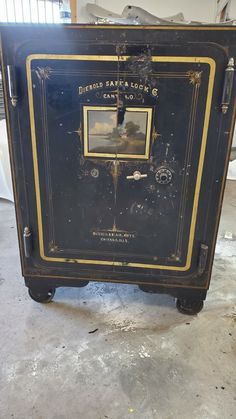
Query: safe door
point(118, 156)
point(120, 148)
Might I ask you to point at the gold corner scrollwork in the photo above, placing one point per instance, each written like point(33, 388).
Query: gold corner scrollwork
point(155, 135)
point(43, 73)
point(78, 132)
point(115, 170)
point(195, 77)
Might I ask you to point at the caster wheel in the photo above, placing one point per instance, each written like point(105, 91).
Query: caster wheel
point(42, 296)
point(189, 307)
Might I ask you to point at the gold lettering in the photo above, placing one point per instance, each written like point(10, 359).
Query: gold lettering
point(155, 91)
point(113, 83)
point(80, 90)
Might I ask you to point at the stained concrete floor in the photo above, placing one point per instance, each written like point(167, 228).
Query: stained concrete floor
point(145, 361)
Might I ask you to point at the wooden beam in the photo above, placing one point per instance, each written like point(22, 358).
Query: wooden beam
point(74, 13)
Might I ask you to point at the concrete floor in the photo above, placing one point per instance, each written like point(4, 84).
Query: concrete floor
point(145, 361)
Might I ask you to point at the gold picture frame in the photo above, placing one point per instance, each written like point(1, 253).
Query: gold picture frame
point(103, 139)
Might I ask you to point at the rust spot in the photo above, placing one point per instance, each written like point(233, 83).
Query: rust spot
point(121, 49)
point(141, 64)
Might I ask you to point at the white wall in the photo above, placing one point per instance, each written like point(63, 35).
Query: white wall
point(83, 16)
point(232, 9)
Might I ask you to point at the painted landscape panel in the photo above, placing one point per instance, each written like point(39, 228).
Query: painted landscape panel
point(107, 137)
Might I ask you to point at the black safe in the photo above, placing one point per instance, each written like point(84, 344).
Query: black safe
point(119, 140)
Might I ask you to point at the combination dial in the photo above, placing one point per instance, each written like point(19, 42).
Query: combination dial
point(163, 176)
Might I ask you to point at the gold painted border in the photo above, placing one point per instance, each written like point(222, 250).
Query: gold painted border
point(88, 153)
point(188, 156)
point(175, 27)
point(156, 27)
point(114, 58)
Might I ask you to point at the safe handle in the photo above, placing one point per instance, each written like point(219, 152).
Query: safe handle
point(12, 85)
point(228, 86)
point(136, 175)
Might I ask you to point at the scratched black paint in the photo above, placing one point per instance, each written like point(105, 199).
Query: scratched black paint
point(81, 197)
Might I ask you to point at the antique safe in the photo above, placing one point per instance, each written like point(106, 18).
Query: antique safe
point(119, 140)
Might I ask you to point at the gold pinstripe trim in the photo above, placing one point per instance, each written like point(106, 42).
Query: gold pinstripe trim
point(171, 59)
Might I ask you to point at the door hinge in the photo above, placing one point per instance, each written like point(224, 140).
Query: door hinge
point(27, 240)
point(12, 84)
point(227, 87)
point(202, 258)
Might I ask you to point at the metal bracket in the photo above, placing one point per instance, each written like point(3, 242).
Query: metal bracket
point(27, 240)
point(202, 258)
